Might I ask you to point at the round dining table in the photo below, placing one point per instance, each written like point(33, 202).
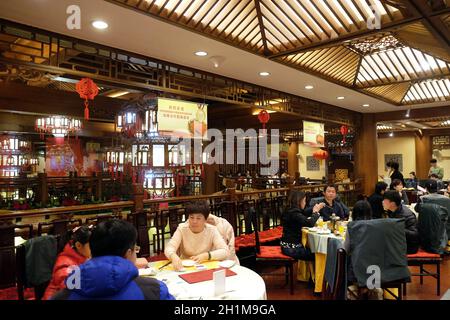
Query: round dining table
point(317, 243)
point(245, 285)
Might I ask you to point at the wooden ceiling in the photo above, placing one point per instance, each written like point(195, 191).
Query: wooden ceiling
point(404, 60)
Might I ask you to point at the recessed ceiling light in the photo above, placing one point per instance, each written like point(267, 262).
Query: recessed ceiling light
point(309, 87)
point(366, 105)
point(99, 24)
point(407, 122)
point(424, 127)
point(201, 53)
point(264, 74)
point(340, 98)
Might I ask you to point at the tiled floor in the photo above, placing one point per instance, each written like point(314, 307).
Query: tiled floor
point(415, 291)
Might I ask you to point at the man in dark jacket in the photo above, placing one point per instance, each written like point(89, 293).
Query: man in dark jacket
point(376, 200)
point(111, 273)
point(434, 197)
point(392, 203)
point(328, 204)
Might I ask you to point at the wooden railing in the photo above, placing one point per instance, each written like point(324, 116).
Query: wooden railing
point(347, 191)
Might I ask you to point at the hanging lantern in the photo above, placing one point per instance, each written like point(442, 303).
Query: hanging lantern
point(59, 126)
point(344, 131)
point(87, 89)
point(263, 118)
point(320, 154)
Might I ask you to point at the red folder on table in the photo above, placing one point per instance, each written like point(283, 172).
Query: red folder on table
point(205, 275)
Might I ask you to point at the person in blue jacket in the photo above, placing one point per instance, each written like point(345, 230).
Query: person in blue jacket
point(111, 273)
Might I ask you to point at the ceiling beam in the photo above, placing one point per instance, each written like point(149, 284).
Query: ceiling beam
point(267, 52)
point(422, 113)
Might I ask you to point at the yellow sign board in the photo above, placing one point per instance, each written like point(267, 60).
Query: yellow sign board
point(182, 118)
point(313, 134)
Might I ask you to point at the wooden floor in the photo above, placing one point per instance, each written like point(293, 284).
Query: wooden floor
point(415, 291)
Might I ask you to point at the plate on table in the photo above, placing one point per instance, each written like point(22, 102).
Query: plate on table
point(147, 272)
point(321, 231)
point(188, 263)
point(314, 229)
point(227, 263)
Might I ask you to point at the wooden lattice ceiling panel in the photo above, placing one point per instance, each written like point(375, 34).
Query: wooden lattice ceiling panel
point(418, 36)
point(270, 26)
point(428, 91)
point(337, 63)
point(401, 64)
point(392, 92)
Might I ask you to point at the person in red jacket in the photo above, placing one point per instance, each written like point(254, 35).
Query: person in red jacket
point(75, 252)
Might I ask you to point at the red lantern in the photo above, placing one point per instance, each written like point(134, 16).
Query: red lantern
point(320, 155)
point(344, 131)
point(263, 117)
point(87, 90)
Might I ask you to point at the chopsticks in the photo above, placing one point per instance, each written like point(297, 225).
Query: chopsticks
point(165, 265)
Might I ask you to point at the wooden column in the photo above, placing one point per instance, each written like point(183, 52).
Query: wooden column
point(365, 152)
point(138, 197)
point(23, 186)
point(292, 159)
point(423, 154)
point(42, 190)
point(210, 178)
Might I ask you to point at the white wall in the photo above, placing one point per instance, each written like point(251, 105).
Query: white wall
point(401, 145)
point(305, 151)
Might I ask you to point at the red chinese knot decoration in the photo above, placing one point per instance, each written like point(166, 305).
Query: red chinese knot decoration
point(344, 131)
point(87, 89)
point(320, 155)
point(263, 117)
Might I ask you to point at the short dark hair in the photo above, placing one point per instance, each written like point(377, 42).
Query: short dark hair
point(330, 185)
point(396, 182)
point(433, 161)
point(199, 206)
point(380, 186)
point(431, 186)
point(395, 165)
point(434, 175)
point(81, 234)
point(393, 196)
point(112, 238)
point(413, 173)
point(295, 197)
point(362, 211)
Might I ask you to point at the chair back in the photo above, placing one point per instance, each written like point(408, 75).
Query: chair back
point(335, 282)
point(8, 272)
point(140, 222)
point(47, 260)
point(380, 243)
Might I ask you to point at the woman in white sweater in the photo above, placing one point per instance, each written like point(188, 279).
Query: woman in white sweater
point(195, 239)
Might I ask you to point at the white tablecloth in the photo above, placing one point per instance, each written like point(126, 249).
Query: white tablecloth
point(318, 242)
point(245, 285)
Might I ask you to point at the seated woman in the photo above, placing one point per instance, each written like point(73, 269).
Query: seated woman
point(293, 220)
point(397, 185)
point(195, 239)
point(75, 253)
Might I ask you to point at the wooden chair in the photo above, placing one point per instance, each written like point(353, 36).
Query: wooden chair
point(101, 218)
point(8, 268)
point(140, 222)
point(421, 259)
point(58, 228)
point(272, 256)
point(331, 292)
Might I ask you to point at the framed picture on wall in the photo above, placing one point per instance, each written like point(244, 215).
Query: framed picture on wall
point(312, 164)
point(393, 158)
